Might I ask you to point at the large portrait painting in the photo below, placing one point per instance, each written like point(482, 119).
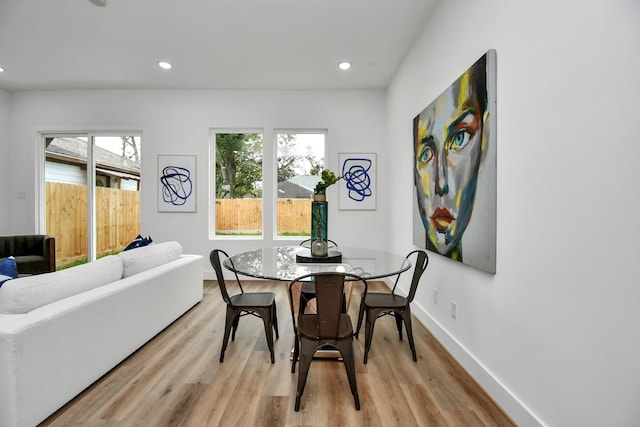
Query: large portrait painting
point(176, 183)
point(454, 161)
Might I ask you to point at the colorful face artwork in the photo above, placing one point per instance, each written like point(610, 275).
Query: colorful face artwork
point(451, 136)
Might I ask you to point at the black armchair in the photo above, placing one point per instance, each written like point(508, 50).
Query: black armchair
point(34, 253)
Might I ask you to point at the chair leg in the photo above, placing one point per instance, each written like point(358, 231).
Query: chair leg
point(306, 355)
point(406, 315)
point(236, 321)
point(398, 318)
point(346, 350)
point(274, 316)
point(268, 332)
point(296, 354)
point(360, 316)
point(228, 324)
point(370, 323)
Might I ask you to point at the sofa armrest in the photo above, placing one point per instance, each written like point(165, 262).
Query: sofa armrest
point(49, 251)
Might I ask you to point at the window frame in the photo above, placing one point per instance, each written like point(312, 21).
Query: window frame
point(212, 182)
point(274, 175)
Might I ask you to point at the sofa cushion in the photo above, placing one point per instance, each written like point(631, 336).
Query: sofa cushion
point(27, 293)
point(8, 270)
point(140, 259)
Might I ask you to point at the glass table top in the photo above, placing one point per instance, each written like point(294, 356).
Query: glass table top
point(279, 263)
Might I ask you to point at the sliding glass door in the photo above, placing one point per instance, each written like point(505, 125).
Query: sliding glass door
point(92, 194)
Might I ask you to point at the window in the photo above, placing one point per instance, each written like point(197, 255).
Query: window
point(238, 183)
point(300, 156)
point(92, 194)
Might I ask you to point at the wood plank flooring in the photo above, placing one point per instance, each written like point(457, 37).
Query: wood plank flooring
point(176, 379)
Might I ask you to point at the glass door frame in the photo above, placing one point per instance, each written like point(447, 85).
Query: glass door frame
point(91, 180)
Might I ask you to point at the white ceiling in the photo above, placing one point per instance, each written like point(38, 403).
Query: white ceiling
point(212, 44)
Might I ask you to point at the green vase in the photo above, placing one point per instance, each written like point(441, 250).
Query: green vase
point(319, 223)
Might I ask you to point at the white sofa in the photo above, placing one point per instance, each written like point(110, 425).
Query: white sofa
point(61, 331)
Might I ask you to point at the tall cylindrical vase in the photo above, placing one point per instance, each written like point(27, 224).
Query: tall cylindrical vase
point(319, 227)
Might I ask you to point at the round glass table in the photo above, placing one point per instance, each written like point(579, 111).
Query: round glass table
point(279, 263)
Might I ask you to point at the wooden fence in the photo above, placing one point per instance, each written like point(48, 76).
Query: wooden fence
point(118, 218)
point(294, 216)
point(238, 216)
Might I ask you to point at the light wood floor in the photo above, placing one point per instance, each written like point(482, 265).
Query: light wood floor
point(176, 380)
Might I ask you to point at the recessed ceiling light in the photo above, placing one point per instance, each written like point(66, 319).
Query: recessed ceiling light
point(1, 70)
point(100, 3)
point(344, 65)
point(164, 65)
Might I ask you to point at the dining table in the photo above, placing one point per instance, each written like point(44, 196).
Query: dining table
point(283, 263)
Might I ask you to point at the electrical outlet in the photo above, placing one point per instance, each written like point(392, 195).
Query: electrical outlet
point(435, 296)
point(454, 309)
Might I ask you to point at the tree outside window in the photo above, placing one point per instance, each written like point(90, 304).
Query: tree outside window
point(238, 183)
point(300, 157)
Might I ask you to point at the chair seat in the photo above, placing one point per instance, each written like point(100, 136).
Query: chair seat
point(381, 300)
point(253, 299)
point(308, 326)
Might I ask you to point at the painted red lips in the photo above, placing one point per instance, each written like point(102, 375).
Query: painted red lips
point(442, 219)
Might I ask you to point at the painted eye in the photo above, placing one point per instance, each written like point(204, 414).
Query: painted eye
point(425, 154)
point(460, 139)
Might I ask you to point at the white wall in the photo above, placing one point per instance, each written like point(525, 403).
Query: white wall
point(178, 122)
point(553, 335)
point(5, 228)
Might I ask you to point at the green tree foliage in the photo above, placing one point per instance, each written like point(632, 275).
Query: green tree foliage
point(316, 165)
point(238, 165)
point(291, 164)
point(287, 160)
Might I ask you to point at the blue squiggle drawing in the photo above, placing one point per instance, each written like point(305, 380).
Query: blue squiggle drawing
point(355, 172)
point(176, 185)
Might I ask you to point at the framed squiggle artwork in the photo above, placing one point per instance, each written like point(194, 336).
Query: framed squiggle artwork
point(358, 184)
point(176, 183)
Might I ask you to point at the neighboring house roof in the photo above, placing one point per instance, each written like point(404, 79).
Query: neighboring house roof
point(306, 181)
point(76, 149)
point(298, 187)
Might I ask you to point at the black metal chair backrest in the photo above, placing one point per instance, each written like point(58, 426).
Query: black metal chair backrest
point(329, 302)
point(421, 262)
point(329, 296)
point(216, 262)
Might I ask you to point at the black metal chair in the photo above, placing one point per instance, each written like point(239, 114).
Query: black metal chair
point(376, 305)
point(308, 288)
point(259, 304)
point(322, 325)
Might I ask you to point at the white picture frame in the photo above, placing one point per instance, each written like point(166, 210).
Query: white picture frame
point(358, 184)
point(176, 183)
